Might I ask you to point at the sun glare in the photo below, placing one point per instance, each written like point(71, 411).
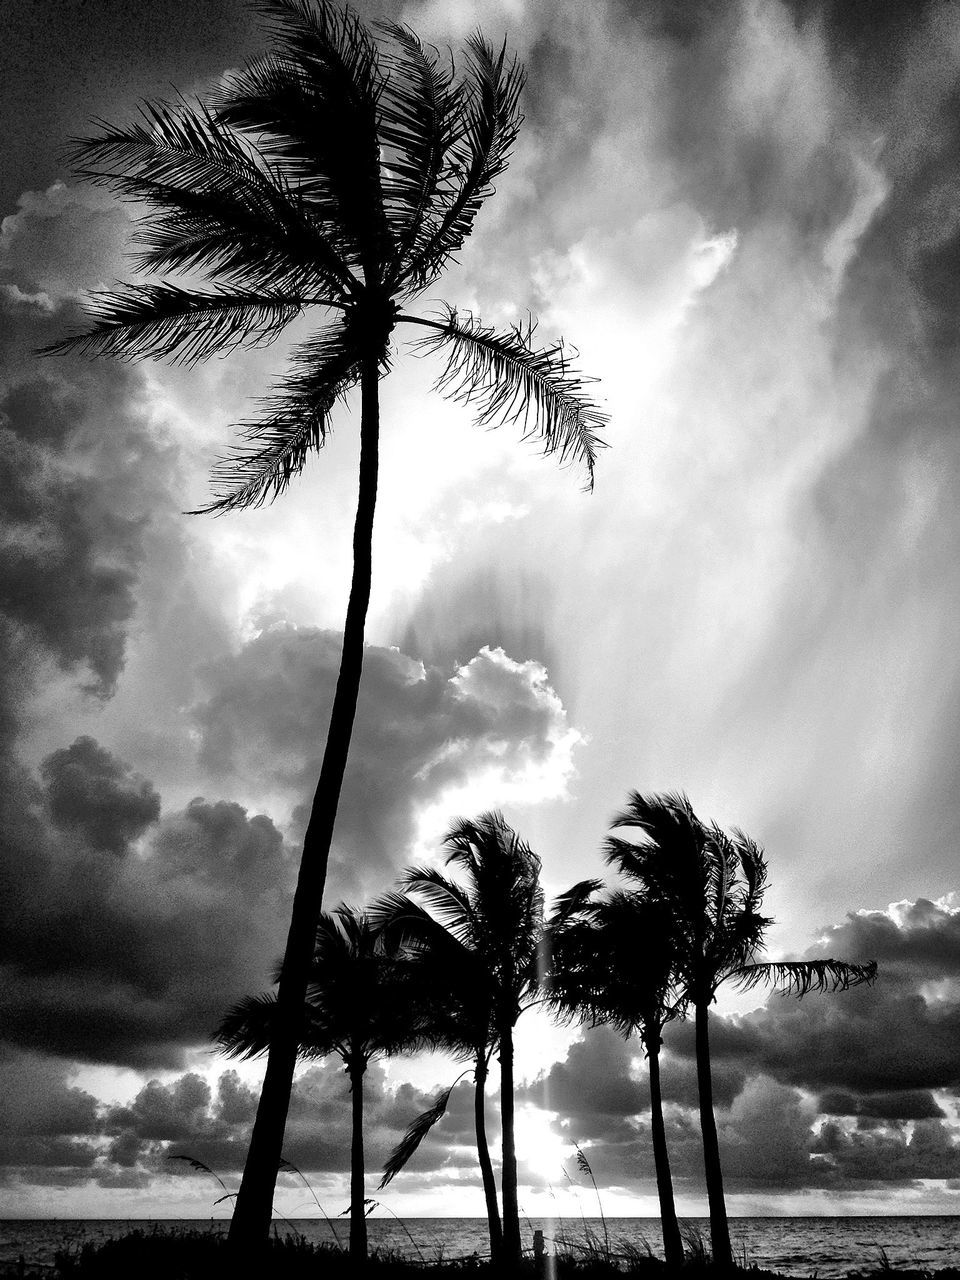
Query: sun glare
point(541, 1151)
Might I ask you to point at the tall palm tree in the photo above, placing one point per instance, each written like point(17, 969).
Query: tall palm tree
point(713, 882)
point(616, 965)
point(341, 171)
point(494, 914)
point(358, 1006)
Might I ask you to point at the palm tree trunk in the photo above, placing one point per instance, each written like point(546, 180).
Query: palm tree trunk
point(512, 1249)
point(719, 1230)
point(253, 1211)
point(358, 1215)
point(486, 1165)
point(672, 1240)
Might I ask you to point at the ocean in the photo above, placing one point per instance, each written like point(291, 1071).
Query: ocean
point(827, 1247)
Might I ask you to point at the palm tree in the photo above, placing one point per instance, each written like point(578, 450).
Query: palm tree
point(358, 1006)
point(713, 883)
point(495, 918)
point(616, 965)
point(456, 1000)
point(341, 171)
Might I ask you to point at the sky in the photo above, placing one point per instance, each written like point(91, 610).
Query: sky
point(745, 217)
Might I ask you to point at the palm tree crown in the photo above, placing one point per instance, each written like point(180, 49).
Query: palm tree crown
point(359, 999)
point(617, 966)
point(341, 171)
point(713, 882)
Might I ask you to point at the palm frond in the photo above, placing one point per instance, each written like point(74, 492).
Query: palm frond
point(753, 867)
point(504, 378)
point(415, 1133)
point(281, 246)
point(221, 207)
point(162, 320)
point(490, 121)
point(296, 421)
point(179, 145)
point(313, 107)
point(572, 904)
point(418, 122)
point(246, 1029)
point(448, 901)
point(799, 977)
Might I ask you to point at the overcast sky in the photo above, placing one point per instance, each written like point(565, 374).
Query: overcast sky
point(745, 216)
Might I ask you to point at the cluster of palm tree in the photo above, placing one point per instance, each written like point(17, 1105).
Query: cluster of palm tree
point(452, 961)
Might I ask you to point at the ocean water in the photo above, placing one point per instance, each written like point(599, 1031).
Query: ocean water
point(827, 1247)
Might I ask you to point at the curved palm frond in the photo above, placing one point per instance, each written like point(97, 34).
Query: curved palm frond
point(215, 206)
point(799, 977)
point(163, 321)
point(573, 905)
point(418, 122)
point(246, 1029)
point(504, 379)
point(490, 118)
point(415, 1133)
point(297, 421)
point(447, 900)
point(313, 107)
point(277, 244)
point(178, 145)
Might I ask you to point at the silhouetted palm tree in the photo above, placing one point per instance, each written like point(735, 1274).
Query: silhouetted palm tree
point(713, 883)
point(340, 171)
point(495, 917)
point(358, 1005)
point(616, 965)
point(456, 1004)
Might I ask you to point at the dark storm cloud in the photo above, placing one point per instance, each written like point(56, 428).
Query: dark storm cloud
point(894, 1039)
point(62, 1137)
point(68, 572)
point(44, 1122)
point(909, 1104)
point(90, 791)
point(871, 1155)
point(617, 1089)
point(110, 956)
point(36, 1099)
point(86, 478)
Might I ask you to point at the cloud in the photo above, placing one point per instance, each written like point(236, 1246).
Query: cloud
point(121, 957)
point(71, 556)
point(59, 1135)
point(896, 1039)
point(488, 732)
point(89, 478)
point(57, 235)
point(91, 791)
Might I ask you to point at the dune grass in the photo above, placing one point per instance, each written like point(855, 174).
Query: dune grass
point(200, 1254)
